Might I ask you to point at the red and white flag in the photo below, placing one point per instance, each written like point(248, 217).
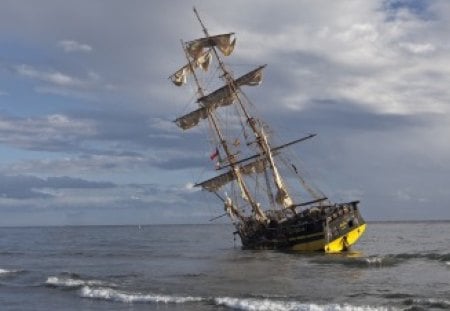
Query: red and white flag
point(215, 154)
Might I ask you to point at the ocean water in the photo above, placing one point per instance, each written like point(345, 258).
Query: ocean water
point(395, 266)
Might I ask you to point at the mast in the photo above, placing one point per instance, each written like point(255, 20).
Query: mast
point(246, 194)
point(261, 138)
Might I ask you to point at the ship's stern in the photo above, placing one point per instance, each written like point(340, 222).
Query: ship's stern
point(344, 228)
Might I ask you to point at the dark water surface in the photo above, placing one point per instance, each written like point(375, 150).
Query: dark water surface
point(395, 266)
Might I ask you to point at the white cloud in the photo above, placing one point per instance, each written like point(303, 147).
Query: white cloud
point(3, 93)
point(74, 46)
point(394, 66)
point(416, 48)
point(53, 77)
point(51, 132)
point(63, 84)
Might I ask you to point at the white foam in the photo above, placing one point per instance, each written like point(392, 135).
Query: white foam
point(374, 260)
point(5, 271)
point(68, 282)
point(442, 303)
point(116, 295)
point(272, 305)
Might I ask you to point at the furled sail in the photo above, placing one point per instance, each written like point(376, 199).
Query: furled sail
point(180, 77)
point(219, 98)
point(217, 182)
point(224, 42)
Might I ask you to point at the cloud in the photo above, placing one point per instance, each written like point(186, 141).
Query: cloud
point(65, 200)
point(28, 187)
point(54, 132)
point(74, 46)
point(50, 81)
point(415, 48)
point(53, 77)
point(370, 77)
point(3, 93)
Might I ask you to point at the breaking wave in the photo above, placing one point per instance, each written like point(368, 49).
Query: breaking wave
point(117, 295)
point(72, 282)
point(379, 261)
point(272, 305)
point(229, 302)
point(360, 262)
point(96, 289)
point(7, 272)
point(428, 303)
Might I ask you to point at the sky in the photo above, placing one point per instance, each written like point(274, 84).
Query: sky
point(86, 107)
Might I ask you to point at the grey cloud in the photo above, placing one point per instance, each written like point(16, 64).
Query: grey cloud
point(370, 77)
point(74, 46)
point(54, 132)
point(27, 187)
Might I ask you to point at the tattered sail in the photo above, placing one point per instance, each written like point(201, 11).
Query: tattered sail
point(180, 77)
point(219, 98)
point(191, 119)
point(224, 42)
point(225, 95)
point(218, 182)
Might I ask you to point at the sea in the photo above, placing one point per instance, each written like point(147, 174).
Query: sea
point(395, 266)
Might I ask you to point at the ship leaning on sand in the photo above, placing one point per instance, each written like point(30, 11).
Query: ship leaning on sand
point(266, 196)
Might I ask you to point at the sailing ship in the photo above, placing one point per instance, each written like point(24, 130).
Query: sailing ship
point(266, 196)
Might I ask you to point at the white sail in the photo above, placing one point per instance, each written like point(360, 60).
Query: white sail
point(192, 119)
point(218, 182)
point(224, 42)
point(219, 98)
point(225, 95)
point(180, 77)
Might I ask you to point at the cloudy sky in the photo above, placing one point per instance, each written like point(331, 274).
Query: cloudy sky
point(86, 107)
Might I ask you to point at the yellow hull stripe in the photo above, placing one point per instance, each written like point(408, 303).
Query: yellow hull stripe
point(344, 242)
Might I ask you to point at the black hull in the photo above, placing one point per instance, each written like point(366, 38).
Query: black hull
point(315, 229)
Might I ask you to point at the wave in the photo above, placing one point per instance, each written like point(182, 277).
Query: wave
point(96, 289)
point(117, 295)
point(7, 272)
point(273, 305)
point(72, 282)
point(379, 261)
point(428, 302)
point(229, 302)
point(429, 256)
point(360, 262)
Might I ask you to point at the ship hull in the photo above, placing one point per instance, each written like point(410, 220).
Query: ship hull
point(328, 229)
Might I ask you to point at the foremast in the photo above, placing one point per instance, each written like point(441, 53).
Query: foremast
point(227, 95)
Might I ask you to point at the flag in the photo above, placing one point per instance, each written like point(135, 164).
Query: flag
point(214, 154)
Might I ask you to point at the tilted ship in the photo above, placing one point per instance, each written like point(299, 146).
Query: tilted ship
point(266, 196)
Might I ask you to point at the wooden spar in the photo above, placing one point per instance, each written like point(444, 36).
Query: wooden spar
point(245, 191)
point(217, 217)
point(309, 202)
point(274, 149)
point(261, 138)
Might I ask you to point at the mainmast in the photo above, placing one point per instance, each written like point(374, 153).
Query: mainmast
point(210, 115)
point(282, 196)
